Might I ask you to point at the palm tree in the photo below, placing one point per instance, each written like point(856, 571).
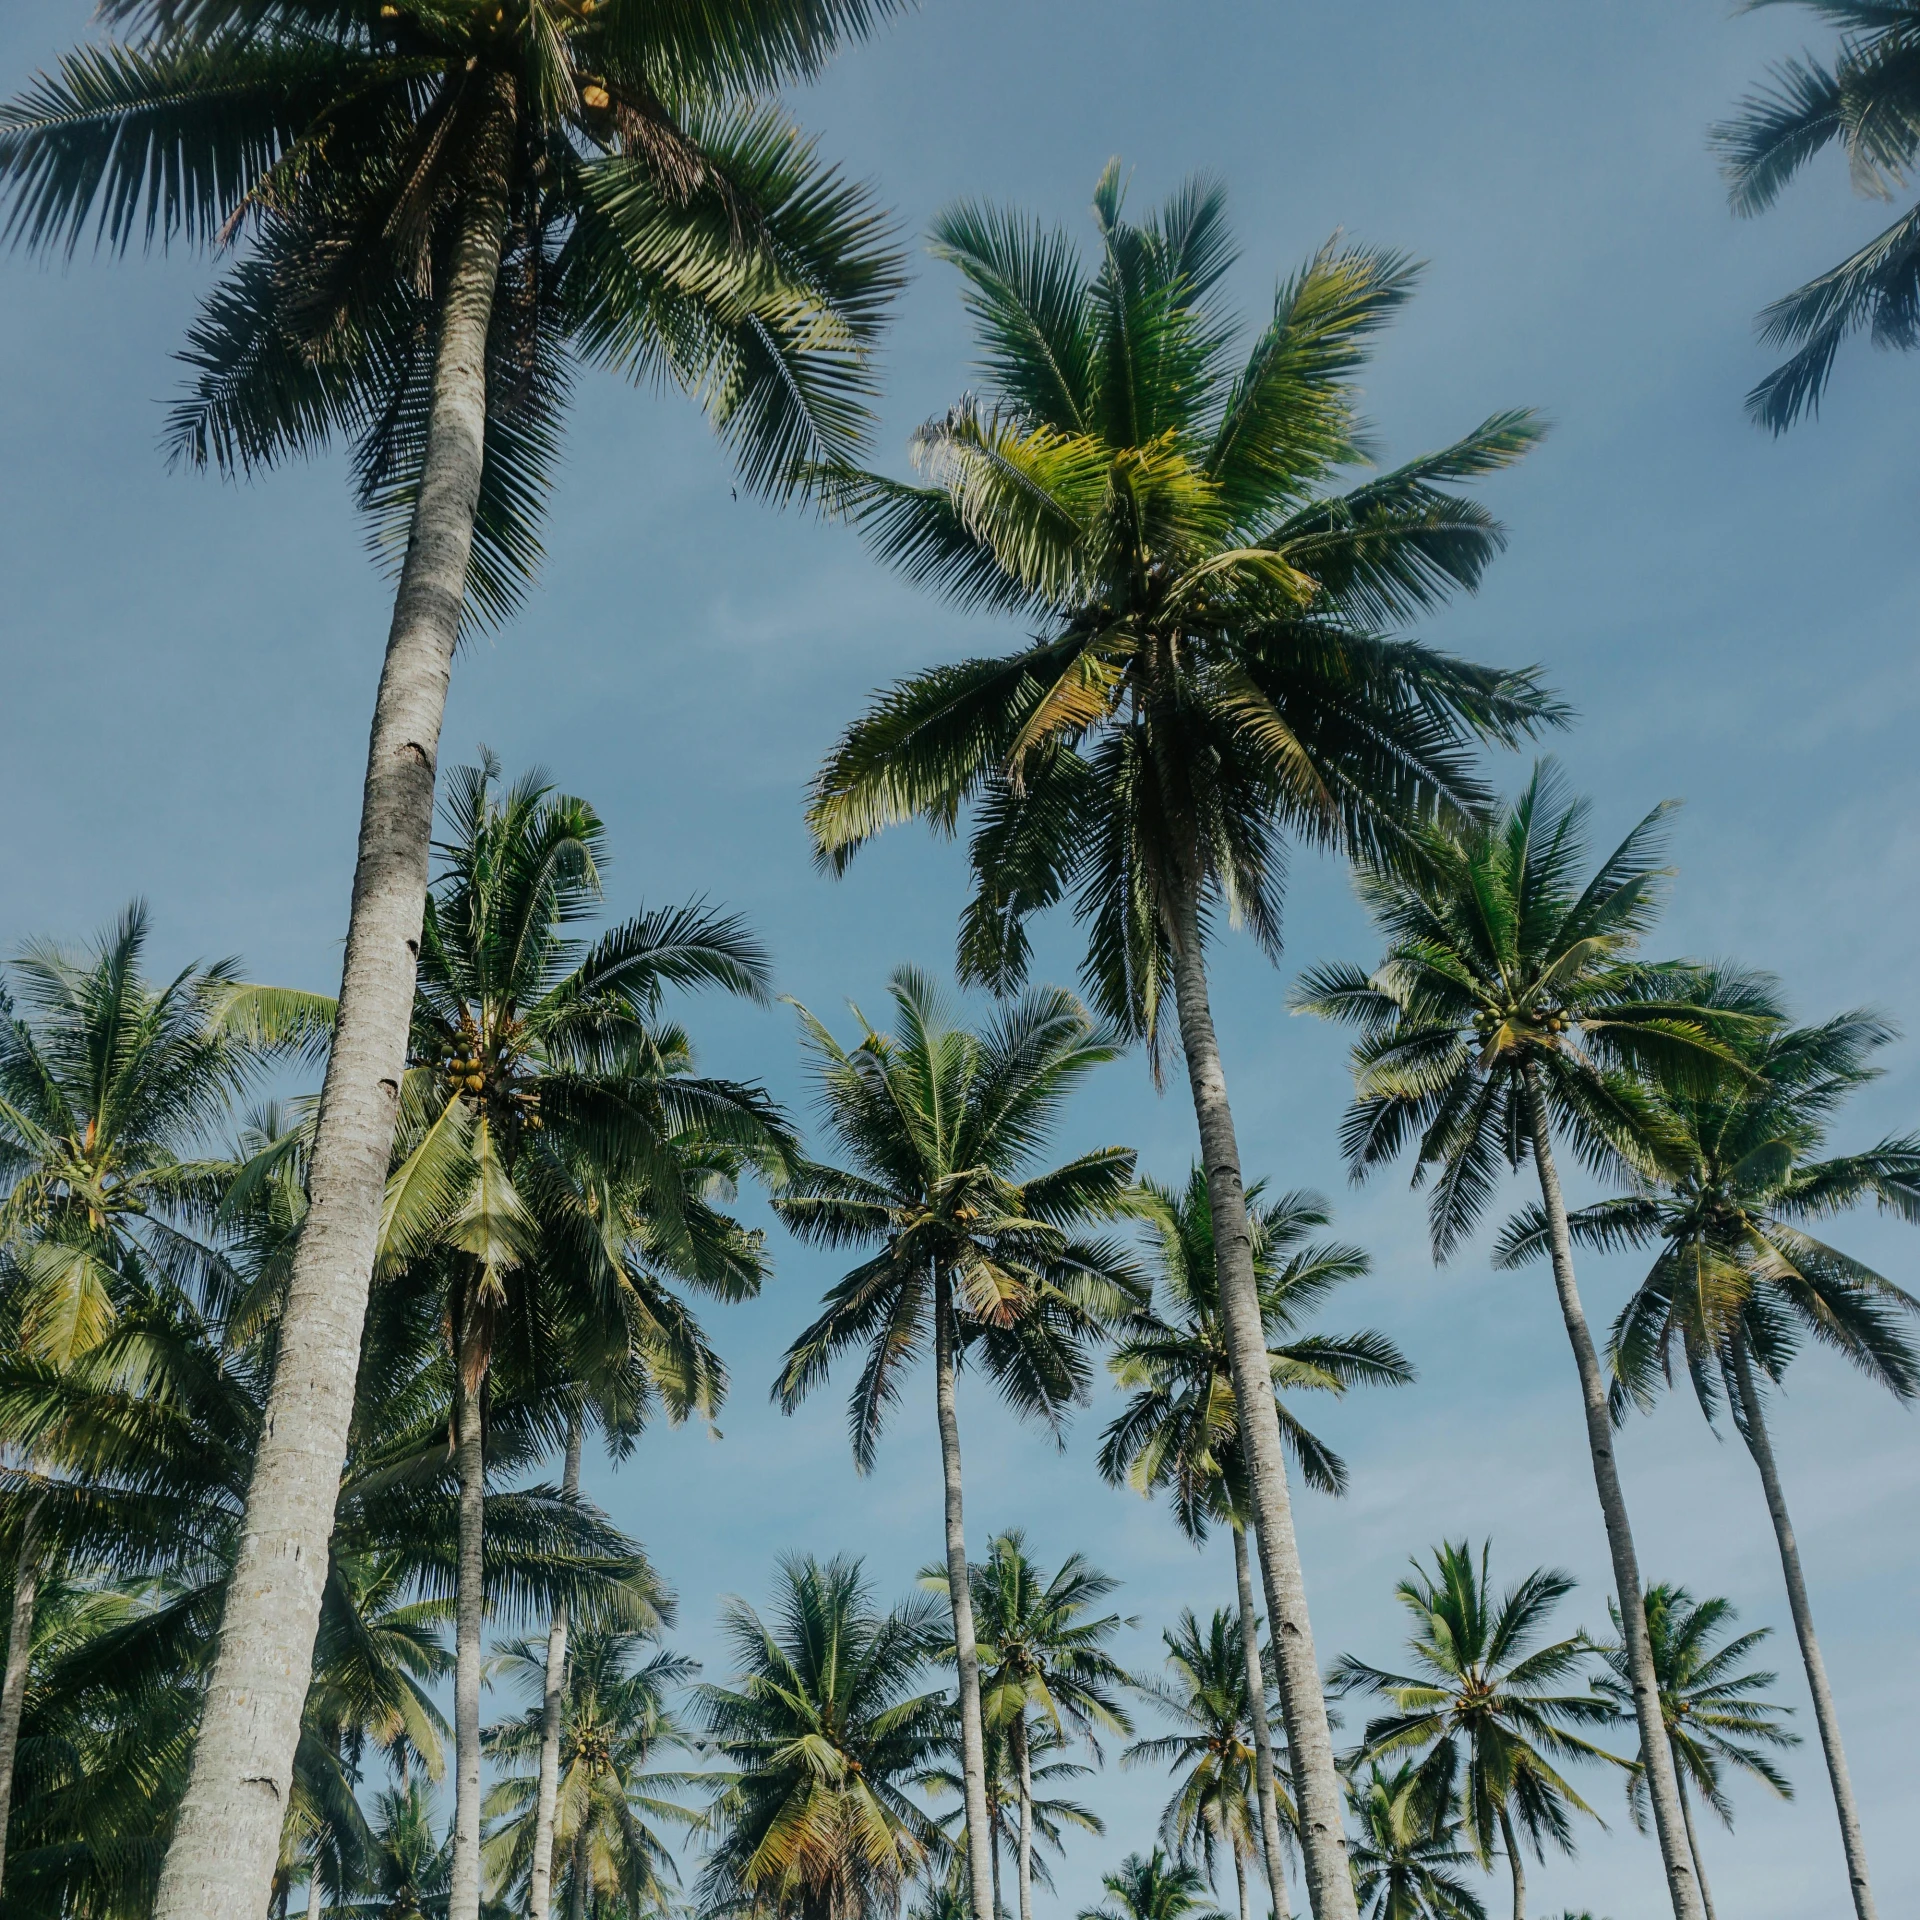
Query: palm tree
point(449, 205)
point(1714, 1721)
point(612, 1802)
point(1738, 1282)
point(1869, 102)
point(972, 1248)
point(1405, 1865)
point(823, 1735)
point(1483, 1712)
point(1150, 1887)
point(1180, 1428)
point(1509, 1004)
point(1215, 1801)
point(1213, 673)
point(1044, 1666)
point(410, 1865)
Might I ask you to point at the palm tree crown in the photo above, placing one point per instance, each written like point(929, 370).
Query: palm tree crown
point(1149, 1886)
point(1405, 1865)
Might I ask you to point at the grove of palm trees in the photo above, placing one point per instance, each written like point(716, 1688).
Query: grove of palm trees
point(1078, 1090)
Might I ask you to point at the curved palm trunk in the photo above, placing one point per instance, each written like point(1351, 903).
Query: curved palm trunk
point(1753, 1429)
point(1270, 1838)
point(981, 1876)
point(1693, 1844)
point(221, 1860)
point(470, 1452)
point(1323, 1840)
point(1515, 1865)
point(540, 1883)
point(1240, 1882)
point(1662, 1783)
point(1023, 1760)
point(13, 1688)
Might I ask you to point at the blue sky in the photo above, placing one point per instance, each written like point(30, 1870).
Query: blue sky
point(189, 667)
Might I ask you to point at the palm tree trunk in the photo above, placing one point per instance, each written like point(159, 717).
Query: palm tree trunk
point(1515, 1865)
point(1240, 1882)
point(1753, 1428)
point(1270, 1837)
point(13, 1688)
point(1693, 1844)
point(973, 1745)
point(227, 1838)
point(470, 1602)
point(540, 1882)
point(1323, 1840)
point(1662, 1783)
point(577, 1880)
point(997, 1904)
point(1023, 1759)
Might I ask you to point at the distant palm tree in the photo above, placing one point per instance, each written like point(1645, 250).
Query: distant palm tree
point(1215, 1801)
point(410, 1865)
point(450, 206)
point(822, 1734)
point(1213, 671)
point(1739, 1283)
point(1511, 1004)
point(1714, 1720)
point(1484, 1714)
point(973, 1249)
point(1151, 1887)
point(1869, 102)
point(1181, 1429)
point(1405, 1866)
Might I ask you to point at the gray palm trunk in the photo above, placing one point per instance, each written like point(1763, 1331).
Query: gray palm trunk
point(1516, 1866)
point(1753, 1429)
point(1662, 1781)
point(1323, 1840)
point(13, 1687)
point(470, 1603)
point(966, 1650)
point(1024, 1760)
point(540, 1882)
point(1240, 1881)
point(227, 1839)
point(1270, 1837)
point(1693, 1844)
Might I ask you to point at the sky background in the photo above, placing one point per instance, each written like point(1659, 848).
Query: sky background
point(189, 666)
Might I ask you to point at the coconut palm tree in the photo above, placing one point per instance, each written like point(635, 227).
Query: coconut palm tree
point(410, 1864)
point(1484, 1714)
point(1214, 672)
point(822, 1733)
point(1510, 1005)
point(1738, 1282)
point(1405, 1867)
point(1180, 1427)
point(1868, 101)
point(1715, 1721)
point(1215, 1800)
point(1044, 1665)
point(447, 206)
point(973, 1248)
point(1151, 1887)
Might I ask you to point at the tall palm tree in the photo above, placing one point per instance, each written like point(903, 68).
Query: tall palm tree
point(1509, 1005)
point(1405, 1866)
point(1484, 1713)
point(1044, 1666)
point(1215, 1800)
point(1715, 1721)
point(448, 205)
point(1180, 1427)
point(823, 1734)
point(543, 1091)
point(613, 1800)
point(410, 1863)
point(1868, 101)
point(1213, 674)
point(1739, 1282)
point(1151, 1887)
point(973, 1248)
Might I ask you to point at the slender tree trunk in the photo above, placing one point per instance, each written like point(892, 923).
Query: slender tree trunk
point(221, 1860)
point(1693, 1843)
point(540, 1883)
point(470, 1605)
point(1515, 1865)
point(973, 1745)
point(1240, 1882)
point(1023, 1758)
point(1323, 1840)
point(1662, 1784)
point(13, 1688)
point(1270, 1836)
point(316, 1893)
point(577, 1879)
point(1753, 1428)
point(998, 1905)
